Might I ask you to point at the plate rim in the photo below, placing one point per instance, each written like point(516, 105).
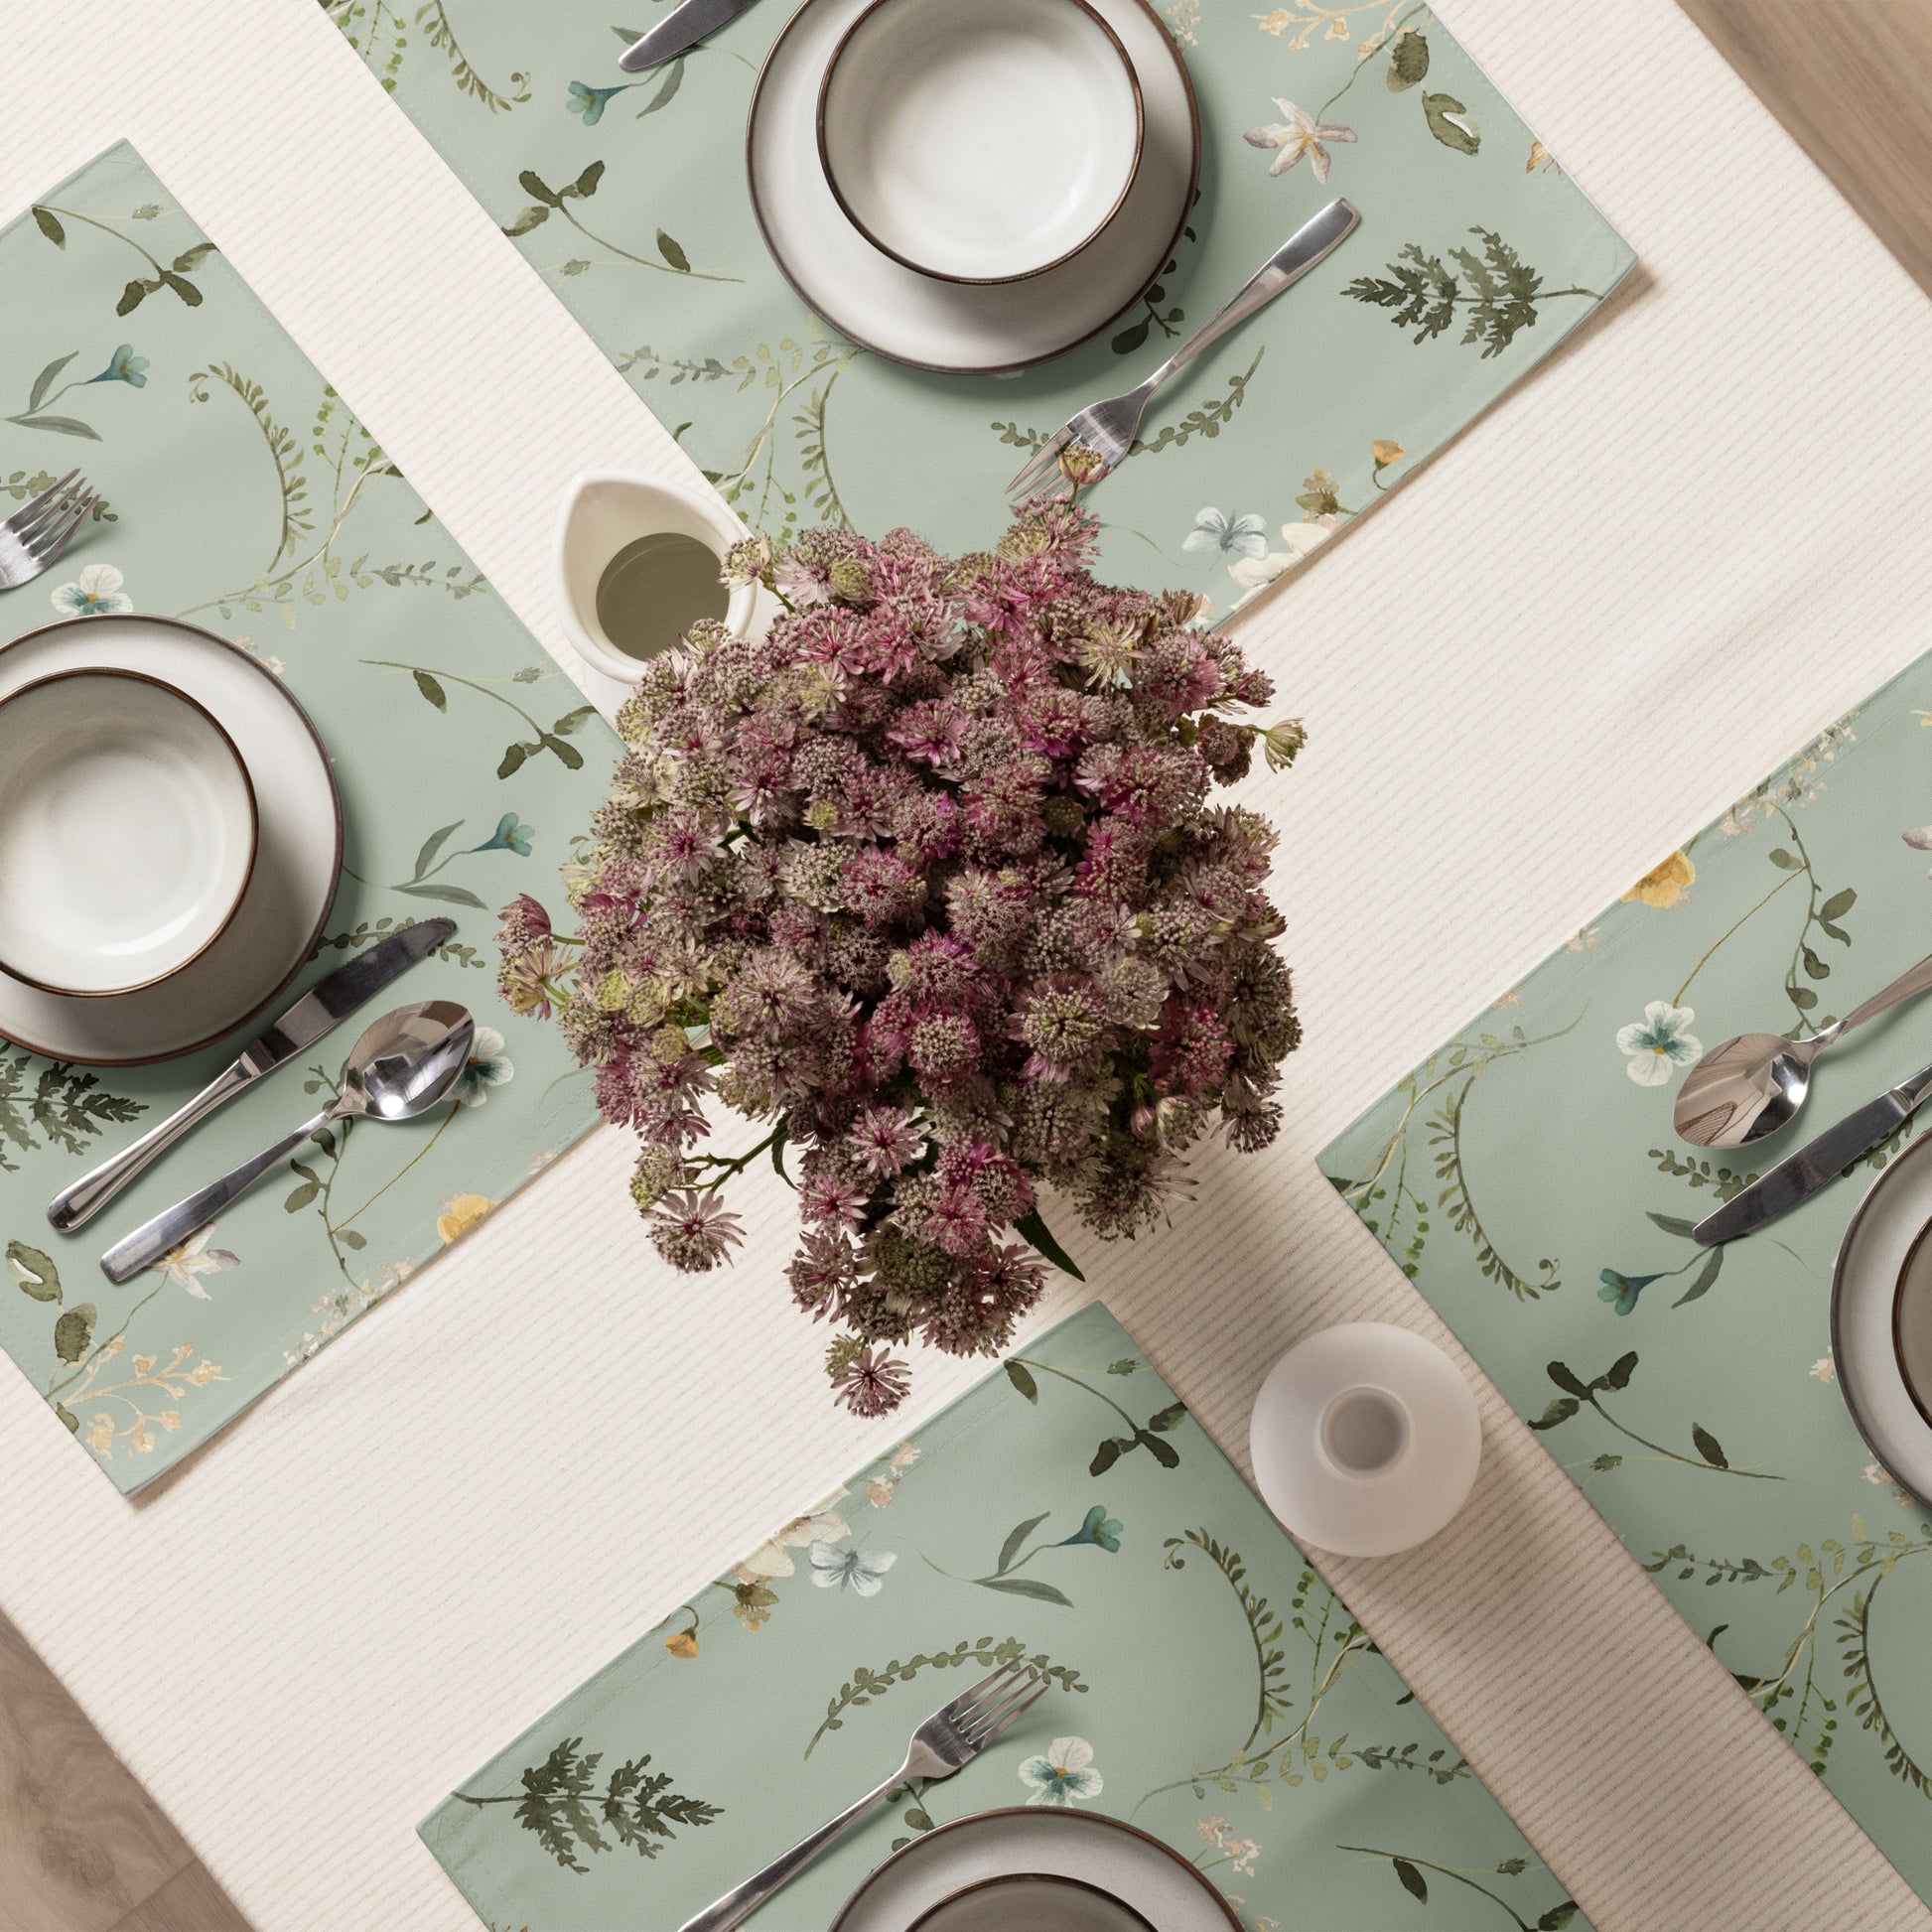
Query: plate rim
point(1105, 1820)
point(813, 308)
point(307, 949)
point(1840, 1270)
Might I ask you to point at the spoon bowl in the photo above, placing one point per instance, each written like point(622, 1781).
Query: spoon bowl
point(1752, 1085)
point(1744, 1089)
point(402, 1067)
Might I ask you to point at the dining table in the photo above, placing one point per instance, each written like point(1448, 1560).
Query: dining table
point(1685, 542)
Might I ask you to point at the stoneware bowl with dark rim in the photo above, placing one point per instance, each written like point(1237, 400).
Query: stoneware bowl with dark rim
point(128, 832)
point(1090, 1858)
point(985, 143)
point(1031, 1901)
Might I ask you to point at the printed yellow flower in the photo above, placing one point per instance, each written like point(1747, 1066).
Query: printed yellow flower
point(1385, 452)
point(1663, 885)
point(684, 1644)
point(100, 1432)
point(462, 1213)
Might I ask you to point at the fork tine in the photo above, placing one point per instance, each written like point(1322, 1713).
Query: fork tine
point(46, 549)
point(1009, 1715)
point(987, 1723)
point(35, 504)
point(1042, 459)
point(967, 1702)
point(44, 509)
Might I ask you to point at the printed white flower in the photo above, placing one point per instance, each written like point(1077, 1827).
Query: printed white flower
point(1659, 1043)
point(1825, 1370)
point(821, 1525)
point(862, 1571)
point(195, 1257)
point(1297, 134)
point(488, 1066)
point(1063, 1774)
point(95, 593)
point(1240, 536)
point(1255, 574)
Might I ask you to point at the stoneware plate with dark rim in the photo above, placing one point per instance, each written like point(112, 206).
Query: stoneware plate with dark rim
point(980, 144)
point(961, 327)
point(1114, 1859)
point(1032, 1901)
point(1878, 1317)
point(127, 832)
point(298, 859)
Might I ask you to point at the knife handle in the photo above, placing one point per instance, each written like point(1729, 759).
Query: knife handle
point(75, 1206)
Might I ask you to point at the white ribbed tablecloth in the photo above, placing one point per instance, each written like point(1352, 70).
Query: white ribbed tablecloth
point(1690, 540)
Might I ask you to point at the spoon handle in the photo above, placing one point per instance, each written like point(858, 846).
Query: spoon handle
point(1906, 987)
point(152, 1239)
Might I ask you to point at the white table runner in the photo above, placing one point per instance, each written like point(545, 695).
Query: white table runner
point(1691, 538)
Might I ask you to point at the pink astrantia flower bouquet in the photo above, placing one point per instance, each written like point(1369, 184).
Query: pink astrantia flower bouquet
point(927, 880)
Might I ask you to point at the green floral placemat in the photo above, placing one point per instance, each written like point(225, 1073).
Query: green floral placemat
point(1527, 1179)
point(1474, 258)
point(1204, 1684)
point(241, 494)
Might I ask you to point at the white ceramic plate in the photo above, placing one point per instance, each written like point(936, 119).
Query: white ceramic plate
point(127, 832)
point(1140, 1871)
point(961, 327)
point(1865, 1285)
point(297, 864)
point(980, 142)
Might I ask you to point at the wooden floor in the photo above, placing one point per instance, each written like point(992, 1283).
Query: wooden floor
point(1851, 82)
point(82, 1848)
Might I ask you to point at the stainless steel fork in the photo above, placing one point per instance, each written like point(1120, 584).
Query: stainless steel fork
point(42, 527)
point(947, 1742)
point(1108, 428)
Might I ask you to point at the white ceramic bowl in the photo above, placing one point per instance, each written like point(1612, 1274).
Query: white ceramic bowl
point(984, 142)
point(603, 511)
point(127, 832)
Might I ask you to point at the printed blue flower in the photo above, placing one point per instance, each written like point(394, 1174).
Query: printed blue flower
point(591, 101)
point(1624, 1290)
point(1099, 1528)
point(510, 835)
point(124, 366)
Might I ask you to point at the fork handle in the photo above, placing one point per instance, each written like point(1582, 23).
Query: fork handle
point(740, 1903)
point(1309, 244)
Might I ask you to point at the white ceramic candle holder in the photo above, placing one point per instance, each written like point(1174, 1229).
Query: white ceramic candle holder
point(1365, 1440)
point(602, 510)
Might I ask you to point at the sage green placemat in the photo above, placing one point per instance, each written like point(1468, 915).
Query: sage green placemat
point(1527, 1178)
point(1066, 1509)
point(1475, 256)
point(244, 496)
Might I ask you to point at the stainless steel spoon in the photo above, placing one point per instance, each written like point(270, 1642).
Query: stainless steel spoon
point(402, 1067)
point(1754, 1084)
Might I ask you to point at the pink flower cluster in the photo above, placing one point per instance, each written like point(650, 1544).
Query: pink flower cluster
point(927, 878)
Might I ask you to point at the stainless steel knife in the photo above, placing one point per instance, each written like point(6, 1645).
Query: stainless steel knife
point(691, 23)
point(1816, 1164)
point(326, 1004)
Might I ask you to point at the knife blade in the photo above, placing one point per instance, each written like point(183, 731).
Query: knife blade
point(324, 1006)
point(693, 22)
point(1815, 1165)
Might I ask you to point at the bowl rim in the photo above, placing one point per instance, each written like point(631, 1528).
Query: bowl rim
point(1101, 1818)
point(1099, 229)
point(1114, 1899)
point(247, 791)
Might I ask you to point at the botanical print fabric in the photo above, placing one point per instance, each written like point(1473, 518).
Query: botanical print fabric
point(1204, 1684)
point(241, 494)
point(1527, 1178)
point(628, 194)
